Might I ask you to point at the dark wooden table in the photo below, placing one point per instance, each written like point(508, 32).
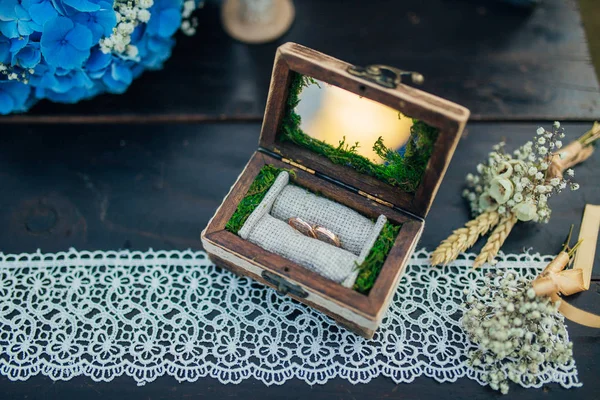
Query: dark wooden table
point(67, 181)
point(139, 186)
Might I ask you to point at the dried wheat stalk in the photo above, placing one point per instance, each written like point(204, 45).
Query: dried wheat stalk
point(462, 239)
point(495, 241)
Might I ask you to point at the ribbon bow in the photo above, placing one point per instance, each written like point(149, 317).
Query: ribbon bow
point(574, 153)
point(555, 279)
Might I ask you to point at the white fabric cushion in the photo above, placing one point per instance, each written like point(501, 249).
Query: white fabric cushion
point(267, 227)
point(351, 228)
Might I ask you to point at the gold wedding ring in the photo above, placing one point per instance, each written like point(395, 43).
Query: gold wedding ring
point(325, 235)
point(302, 226)
point(314, 231)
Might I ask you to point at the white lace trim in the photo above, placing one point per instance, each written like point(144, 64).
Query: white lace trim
point(148, 314)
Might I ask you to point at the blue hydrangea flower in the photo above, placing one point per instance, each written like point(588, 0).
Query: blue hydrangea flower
point(154, 51)
point(9, 47)
point(69, 79)
point(74, 95)
point(82, 5)
point(65, 44)
point(67, 86)
point(28, 56)
point(13, 96)
point(165, 18)
point(54, 47)
point(43, 77)
point(4, 50)
point(118, 79)
point(97, 64)
point(100, 23)
point(41, 11)
point(15, 20)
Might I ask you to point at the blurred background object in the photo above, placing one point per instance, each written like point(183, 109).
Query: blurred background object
point(257, 21)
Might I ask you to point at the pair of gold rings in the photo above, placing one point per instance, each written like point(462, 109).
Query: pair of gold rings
point(314, 231)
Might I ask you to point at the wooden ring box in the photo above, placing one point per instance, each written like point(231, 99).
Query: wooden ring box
point(358, 312)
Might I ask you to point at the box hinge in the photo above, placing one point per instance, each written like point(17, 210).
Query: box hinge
point(299, 166)
point(376, 199)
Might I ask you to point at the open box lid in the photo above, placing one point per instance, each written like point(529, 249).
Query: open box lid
point(382, 85)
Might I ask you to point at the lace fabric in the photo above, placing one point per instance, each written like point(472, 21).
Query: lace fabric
point(148, 314)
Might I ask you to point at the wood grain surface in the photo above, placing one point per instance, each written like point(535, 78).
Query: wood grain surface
point(111, 187)
point(501, 62)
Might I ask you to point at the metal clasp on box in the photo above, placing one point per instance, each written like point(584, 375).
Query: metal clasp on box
point(284, 287)
point(384, 75)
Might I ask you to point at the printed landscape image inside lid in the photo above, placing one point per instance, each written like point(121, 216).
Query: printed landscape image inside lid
point(334, 116)
point(357, 132)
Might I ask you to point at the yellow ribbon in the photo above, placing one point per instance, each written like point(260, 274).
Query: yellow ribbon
point(570, 155)
point(555, 280)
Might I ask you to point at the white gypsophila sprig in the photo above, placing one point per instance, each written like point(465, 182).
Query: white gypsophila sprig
point(15, 73)
point(130, 14)
point(519, 183)
point(516, 332)
point(190, 23)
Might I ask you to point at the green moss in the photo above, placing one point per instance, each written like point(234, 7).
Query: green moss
point(370, 268)
point(400, 171)
point(257, 191)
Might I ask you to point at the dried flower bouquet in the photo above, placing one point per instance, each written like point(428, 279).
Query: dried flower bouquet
point(515, 187)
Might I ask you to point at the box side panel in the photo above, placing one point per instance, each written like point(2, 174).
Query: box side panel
point(350, 320)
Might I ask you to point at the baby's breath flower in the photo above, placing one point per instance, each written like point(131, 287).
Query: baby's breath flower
point(516, 332)
point(562, 185)
point(570, 172)
point(541, 140)
point(574, 186)
point(556, 124)
point(518, 197)
point(143, 16)
point(132, 51)
point(558, 144)
point(543, 150)
point(540, 131)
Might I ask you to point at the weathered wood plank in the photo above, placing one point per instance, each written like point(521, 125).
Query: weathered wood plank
point(499, 61)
